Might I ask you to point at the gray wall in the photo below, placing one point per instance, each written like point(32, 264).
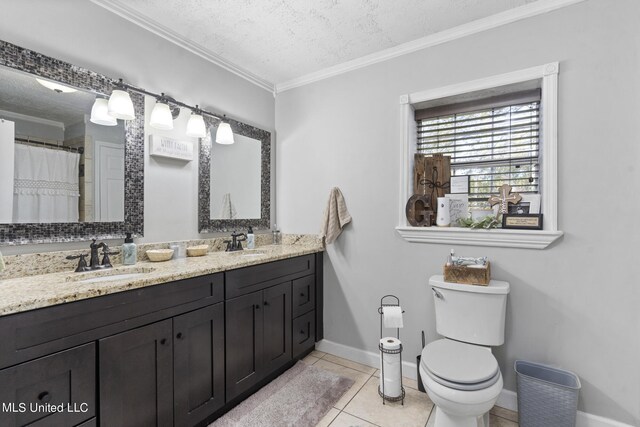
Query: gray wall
point(575, 304)
point(87, 35)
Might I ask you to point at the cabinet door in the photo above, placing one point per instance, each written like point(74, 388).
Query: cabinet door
point(198, 364)
point(277, 326)
point(244, 332)
point(27, 391)
point(136, 377)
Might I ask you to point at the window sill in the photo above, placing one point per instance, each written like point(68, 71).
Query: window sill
point(525, 239)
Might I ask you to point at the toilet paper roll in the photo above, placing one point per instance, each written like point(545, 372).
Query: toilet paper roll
point(390, 381)
point(392, 317)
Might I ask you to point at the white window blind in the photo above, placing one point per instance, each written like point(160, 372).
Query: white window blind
point(495, 141)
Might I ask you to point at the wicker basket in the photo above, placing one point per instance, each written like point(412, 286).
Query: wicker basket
point(468, 275)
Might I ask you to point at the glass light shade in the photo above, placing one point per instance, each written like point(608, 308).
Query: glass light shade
point(224, 134)
point(57, 87)
point(161, 117)
point(196, 127)
point(100, 113)
point(120, 105)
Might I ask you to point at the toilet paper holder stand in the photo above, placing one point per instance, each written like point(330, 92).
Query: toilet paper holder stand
point(389, 301)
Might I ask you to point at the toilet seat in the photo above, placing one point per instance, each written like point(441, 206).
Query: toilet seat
point(459, 365)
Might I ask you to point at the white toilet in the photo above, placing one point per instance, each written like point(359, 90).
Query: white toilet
point(459, 373)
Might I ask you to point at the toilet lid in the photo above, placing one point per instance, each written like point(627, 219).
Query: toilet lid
point(459, 362)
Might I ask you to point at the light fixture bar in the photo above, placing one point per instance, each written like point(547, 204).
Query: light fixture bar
point(169, 100)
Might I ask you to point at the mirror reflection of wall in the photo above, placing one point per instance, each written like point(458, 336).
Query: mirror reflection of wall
point(236, 172)
point(55, 165)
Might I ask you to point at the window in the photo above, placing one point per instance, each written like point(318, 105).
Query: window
point(497, 129)
point(495, 141)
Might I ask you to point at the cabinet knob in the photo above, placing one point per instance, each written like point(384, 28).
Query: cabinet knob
point(179, 335)
point(257, 306)
point(45, 397)
point(302, 294)
point(265, 303)
point(163, 341)
point(303, 332)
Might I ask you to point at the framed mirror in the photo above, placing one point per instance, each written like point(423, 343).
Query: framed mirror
point(63, 177)
point(235, 179)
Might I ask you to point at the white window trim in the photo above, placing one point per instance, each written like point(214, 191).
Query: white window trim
point(532, 239)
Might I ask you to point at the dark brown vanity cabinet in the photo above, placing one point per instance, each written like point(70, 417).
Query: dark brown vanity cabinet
point(198, 364)
point(258, 331)
point(173, 369)
point(267, 306)
point(64, 380)
point(136, 377)
point(172, 354)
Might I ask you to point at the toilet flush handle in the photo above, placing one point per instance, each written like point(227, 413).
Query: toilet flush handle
point(437, 293)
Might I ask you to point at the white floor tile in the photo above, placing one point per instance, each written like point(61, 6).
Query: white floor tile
point(367, 405)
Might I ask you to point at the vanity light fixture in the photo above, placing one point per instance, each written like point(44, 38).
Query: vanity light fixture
point(224, 134)
point(100, 113)
point(196, 127)
point(120, 105)
point(56, 87)
point(161, 117)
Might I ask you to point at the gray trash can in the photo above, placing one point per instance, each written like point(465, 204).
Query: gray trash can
point(546, 396)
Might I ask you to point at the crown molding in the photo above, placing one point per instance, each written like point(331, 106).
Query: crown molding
point(11, 115)
point(119, 8)
point(533, 9)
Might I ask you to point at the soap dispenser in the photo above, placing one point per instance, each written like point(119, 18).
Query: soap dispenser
point(251, 240)
point(129, 251)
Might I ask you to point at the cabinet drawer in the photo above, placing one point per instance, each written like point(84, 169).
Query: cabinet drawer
point(35, 333)
point(257, 277)
point(304, 336)
point(304, 295)
point(66, 378)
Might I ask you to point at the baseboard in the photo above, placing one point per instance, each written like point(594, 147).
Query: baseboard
point(365, 357)
point(507, 399)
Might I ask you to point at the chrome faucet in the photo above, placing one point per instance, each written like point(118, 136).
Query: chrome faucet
point(235, 244)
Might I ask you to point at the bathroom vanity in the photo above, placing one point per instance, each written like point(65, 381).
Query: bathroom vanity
point(178, 352)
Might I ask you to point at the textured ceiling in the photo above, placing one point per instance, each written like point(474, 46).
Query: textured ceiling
point(279, 40)
point(21, 93)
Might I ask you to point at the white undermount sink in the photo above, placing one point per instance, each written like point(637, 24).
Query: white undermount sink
point(110, 275)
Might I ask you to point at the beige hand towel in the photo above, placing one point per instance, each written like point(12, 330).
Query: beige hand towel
point(335, 217)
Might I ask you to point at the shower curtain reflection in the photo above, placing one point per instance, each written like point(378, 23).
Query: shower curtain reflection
point(46, 185)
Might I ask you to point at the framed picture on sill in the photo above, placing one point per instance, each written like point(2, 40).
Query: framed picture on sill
point(522, 221)
point(530, 204)
point(460, 184)
point(458, 208)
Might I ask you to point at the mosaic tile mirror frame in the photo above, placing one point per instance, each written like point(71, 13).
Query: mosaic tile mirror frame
point(205, 222)
point(17, 58)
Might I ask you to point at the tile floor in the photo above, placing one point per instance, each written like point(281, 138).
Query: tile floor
point(362, 407)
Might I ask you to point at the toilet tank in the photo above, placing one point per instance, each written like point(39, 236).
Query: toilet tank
point(470, 313)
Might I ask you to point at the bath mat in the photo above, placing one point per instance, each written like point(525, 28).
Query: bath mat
point(299, 397)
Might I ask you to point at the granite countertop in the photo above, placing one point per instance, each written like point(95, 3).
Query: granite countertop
point(28, 293)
